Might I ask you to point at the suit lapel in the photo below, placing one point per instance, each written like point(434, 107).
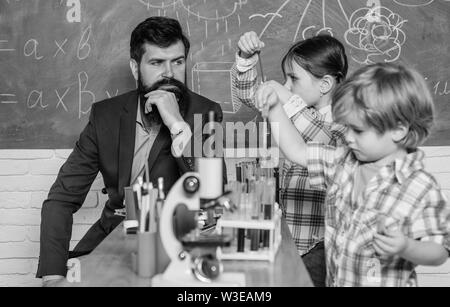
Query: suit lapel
point(127, 137)
point(160, 142)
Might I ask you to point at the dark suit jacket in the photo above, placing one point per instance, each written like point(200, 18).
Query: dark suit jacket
point(107, 145)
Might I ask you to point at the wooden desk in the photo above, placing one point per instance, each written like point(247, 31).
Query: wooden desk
point(110, 264)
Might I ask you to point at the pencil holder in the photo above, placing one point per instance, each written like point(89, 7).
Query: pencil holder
point(130, 205)
point(146, 258)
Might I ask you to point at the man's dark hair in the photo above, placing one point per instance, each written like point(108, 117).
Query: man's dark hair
point(159, 31)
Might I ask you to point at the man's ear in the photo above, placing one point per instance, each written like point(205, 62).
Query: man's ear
point(134, 68)
point(400, 132)
point(327, 84)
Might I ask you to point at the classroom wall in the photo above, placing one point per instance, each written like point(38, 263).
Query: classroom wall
point(27, 175)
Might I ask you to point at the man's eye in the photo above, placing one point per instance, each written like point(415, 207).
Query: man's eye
point(155, 63)
point(179, 62)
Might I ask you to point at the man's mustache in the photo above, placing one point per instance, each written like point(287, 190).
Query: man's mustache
point(167, 84)
point(179, 89)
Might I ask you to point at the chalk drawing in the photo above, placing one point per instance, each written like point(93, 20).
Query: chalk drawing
point(414, 3)
point(301, 21)
point(379, 41)
point(204, 76)
point(272, 16)
point(184, 4)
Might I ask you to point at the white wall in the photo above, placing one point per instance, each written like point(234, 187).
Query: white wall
point(25, 178)
point(27, 175)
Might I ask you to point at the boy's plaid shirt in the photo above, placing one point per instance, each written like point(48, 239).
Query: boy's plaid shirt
point(302, 207)
point(403, 192)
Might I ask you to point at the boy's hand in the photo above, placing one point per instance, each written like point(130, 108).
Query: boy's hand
point(391, 243)
point(249, 43)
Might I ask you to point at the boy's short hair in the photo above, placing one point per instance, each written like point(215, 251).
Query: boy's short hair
point(384, 96)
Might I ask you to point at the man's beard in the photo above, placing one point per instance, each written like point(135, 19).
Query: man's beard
point(166, 84)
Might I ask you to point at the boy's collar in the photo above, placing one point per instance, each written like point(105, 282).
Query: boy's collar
point(412, 162)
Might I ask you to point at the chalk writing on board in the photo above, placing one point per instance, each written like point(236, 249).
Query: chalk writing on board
point(380, 41)
point(30, 48)
point(3, 46)
point(112, 95)
point(34, 99)
point(441, 88)
point(8, 98)
point(61, 99)
point(60, 48)
point(74, 13)
point(84, 48)
point(83, 80)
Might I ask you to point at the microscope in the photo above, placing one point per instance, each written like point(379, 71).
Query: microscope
point(192, 246)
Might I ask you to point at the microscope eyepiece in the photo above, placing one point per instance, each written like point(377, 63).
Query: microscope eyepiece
point(191, 184)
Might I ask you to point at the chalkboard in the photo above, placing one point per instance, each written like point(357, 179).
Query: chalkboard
point(57, 57)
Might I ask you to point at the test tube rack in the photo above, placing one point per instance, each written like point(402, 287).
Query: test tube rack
point(227, 224)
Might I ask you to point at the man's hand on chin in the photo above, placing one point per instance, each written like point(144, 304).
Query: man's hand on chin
point(167, 105)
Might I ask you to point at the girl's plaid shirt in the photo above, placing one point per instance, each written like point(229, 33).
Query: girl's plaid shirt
point(303, 207)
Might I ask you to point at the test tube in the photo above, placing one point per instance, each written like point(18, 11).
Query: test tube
point(243, 196)
point(277, 184)
point(268, 200)
point(238, 172)
point(255, 211)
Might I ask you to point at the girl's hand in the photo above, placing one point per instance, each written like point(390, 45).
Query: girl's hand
point(266, 96)
point(391, 243)
point(249, 43)
point(284, 94)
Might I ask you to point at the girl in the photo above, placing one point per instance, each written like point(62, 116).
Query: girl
point(312, 69)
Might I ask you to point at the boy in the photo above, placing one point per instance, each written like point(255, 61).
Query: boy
point(384, 213)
